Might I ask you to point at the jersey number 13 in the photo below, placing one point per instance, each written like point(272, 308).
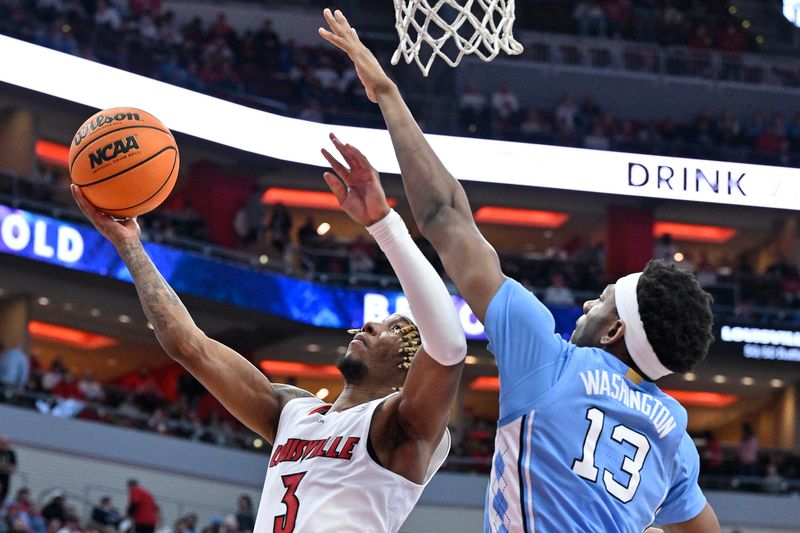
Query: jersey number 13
point(631, 465)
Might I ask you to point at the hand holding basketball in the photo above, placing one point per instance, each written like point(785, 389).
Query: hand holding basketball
point(369, 71)
point(124, 160)
point(358, 188)
point(118, 232)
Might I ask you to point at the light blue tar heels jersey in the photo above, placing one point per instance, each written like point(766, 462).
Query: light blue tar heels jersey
point(583, 443)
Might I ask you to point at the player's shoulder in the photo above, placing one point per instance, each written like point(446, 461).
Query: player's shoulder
point(290, 393)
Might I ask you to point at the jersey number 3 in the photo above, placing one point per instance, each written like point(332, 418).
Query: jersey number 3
point(285, 523)
point(631, 465)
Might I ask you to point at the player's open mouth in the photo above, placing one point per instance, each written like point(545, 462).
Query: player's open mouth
point(359, 338)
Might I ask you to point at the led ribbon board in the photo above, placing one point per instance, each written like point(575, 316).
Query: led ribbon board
point(78, 247)
point(58, 74)
point(761, 343)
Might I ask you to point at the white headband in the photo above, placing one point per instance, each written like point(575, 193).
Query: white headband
point(635, 337)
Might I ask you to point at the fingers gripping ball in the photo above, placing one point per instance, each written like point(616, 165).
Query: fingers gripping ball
point(124, 160)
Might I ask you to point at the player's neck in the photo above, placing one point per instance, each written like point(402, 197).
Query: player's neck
point(628, 360)
point(354, 395)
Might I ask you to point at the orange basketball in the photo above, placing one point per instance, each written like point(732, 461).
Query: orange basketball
point(124, 160)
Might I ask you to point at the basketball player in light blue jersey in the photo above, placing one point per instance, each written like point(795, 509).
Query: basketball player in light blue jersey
point(586, 440)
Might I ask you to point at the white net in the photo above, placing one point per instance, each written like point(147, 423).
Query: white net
point(451, 29)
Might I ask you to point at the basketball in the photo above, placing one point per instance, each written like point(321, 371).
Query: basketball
point(124, 160)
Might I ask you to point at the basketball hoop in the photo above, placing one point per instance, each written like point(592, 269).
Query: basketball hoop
point(480, 27)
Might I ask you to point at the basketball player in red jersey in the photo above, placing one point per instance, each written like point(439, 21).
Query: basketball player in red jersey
point(361, 463)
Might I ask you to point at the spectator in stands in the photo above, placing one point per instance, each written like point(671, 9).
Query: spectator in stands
point(307, 233)
point(89, 388)
point(135, 380)
point(159, 423)
point(535, 128)
point(617, 14)
point(107, 14)
point(14, 367)
point(128, 408)
point(590, 17)
point(190, 523)
point(220, 27)
point(729, 128)
point(558, 293)
point(472, 110)
point(505, 107)
point(747, 452)
point(312, 111)
point(705, 272)
point(68, 387)
point(362, 256)
point(56, 508)
point(701, 39)
point(773, 482)
point(664, 249)
point(279, 224)
point(142, 508)
point(589, 114)
point(228, 524)
point(327, 76)
point(597, 140)
point(754, 127)
point(773, 137)
point(21, 514)
point(732, 38)
point(704, 131)
point(189, 390)
point(793, 131)
point(245, 516)
point(8, 465)
point(711, 455)
point(105, 514)
point(566, 113)
point(149, 398)
point(71, 524)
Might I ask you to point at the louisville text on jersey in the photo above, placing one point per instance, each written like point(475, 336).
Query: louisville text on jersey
point(294, 450)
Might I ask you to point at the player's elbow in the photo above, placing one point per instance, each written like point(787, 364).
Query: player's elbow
point(438, 222)
point(448, 351)
point(185, 347)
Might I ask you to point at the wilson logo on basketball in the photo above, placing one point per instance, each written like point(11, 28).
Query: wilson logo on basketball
point(101, 120)
point(112, 150)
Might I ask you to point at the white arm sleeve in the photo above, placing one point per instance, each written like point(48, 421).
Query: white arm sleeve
point(434, 313)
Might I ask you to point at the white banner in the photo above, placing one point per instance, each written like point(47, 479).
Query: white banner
point(86, 82)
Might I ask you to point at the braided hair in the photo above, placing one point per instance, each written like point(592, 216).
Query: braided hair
point(411, 342)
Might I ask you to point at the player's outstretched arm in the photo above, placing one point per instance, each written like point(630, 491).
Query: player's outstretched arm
point(233, 380)
point(705, 522)
point(421, 410)
point(438, 201)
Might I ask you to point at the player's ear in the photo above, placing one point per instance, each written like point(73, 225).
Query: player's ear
point(613, 334)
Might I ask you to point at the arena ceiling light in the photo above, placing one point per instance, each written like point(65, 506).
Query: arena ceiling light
point(490, 161)
point(53, 153)
point(520, 217)
point(305, 199)
point(298, 370)
point(485, 384)
point(694, 232)
point(702, 398)
point(70, 336)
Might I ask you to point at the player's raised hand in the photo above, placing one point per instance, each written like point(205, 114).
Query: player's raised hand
point(369, 71)
point(118, 232)
point(356, 186)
